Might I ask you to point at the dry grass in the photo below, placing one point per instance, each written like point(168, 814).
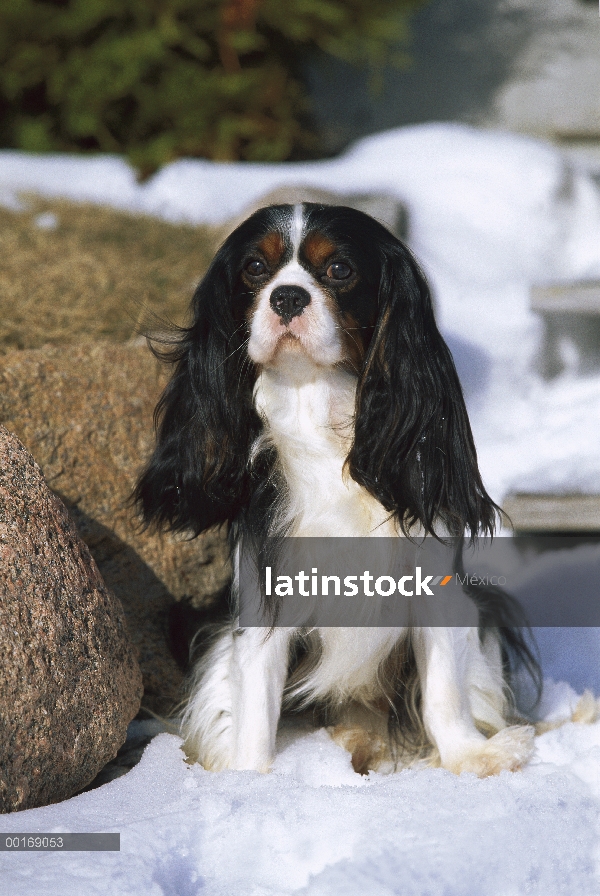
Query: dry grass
point(98, 274)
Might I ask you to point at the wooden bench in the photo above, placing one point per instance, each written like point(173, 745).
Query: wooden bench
point(549, 514)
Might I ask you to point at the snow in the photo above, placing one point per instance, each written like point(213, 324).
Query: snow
point(315, 827)
point(491, 214)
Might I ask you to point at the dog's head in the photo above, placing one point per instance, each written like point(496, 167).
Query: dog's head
point(310, 279)
point(331, 286)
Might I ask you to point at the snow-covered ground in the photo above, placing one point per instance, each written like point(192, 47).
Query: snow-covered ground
point(315, 827)
point(490, 215)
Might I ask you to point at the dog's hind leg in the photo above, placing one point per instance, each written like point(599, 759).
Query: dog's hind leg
point(206, 726)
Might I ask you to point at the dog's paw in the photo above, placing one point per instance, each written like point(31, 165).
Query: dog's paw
point(370, 750)
point(586, 712)
point(508, 750)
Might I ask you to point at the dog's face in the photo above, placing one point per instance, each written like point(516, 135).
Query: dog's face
point(308, 283)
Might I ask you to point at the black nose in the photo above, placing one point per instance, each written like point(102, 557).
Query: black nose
point(289, 301)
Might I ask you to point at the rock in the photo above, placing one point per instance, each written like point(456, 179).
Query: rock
point(85, 413)
point(70, 679)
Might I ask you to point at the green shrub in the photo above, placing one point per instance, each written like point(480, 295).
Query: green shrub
point(158, 79)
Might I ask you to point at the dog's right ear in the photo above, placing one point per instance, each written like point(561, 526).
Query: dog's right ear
point(198, 474)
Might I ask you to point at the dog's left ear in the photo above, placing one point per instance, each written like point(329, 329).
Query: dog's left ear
point(413, 447)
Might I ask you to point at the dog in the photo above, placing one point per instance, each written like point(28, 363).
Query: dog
point(313, 395)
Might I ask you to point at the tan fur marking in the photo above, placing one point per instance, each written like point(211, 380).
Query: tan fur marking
point(490, 758)
point(318, 248)
point(272, 247)
point(368, 748)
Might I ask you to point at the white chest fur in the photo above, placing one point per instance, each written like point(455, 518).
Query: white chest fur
point(309, 412)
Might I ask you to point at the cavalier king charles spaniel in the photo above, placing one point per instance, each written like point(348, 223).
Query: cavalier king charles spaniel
point(313, 395)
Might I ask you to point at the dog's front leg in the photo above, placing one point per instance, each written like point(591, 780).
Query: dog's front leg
point(235, 699)
point(444, 658)
point(258, 674)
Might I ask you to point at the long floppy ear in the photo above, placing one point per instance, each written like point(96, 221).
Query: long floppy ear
point(206, 422)
point(413, 447)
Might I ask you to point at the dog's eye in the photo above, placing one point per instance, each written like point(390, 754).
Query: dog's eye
point(339, 271)
point(255, 268)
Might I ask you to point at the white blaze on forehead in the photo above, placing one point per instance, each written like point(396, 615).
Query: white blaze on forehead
point(297, 225)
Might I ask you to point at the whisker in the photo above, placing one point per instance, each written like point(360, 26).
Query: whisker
point(352, 337)
point(245, 360)
point(243, 345)
point(243, 324)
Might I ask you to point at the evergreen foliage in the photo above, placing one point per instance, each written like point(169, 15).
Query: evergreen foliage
point(158, 79)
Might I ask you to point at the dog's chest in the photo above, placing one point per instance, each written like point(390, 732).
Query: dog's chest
point(309, 419)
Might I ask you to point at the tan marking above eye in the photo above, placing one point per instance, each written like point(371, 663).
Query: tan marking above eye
point(272, 247)
point(317, 248)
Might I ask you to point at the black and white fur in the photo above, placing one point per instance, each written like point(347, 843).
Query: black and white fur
point(313, 395)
